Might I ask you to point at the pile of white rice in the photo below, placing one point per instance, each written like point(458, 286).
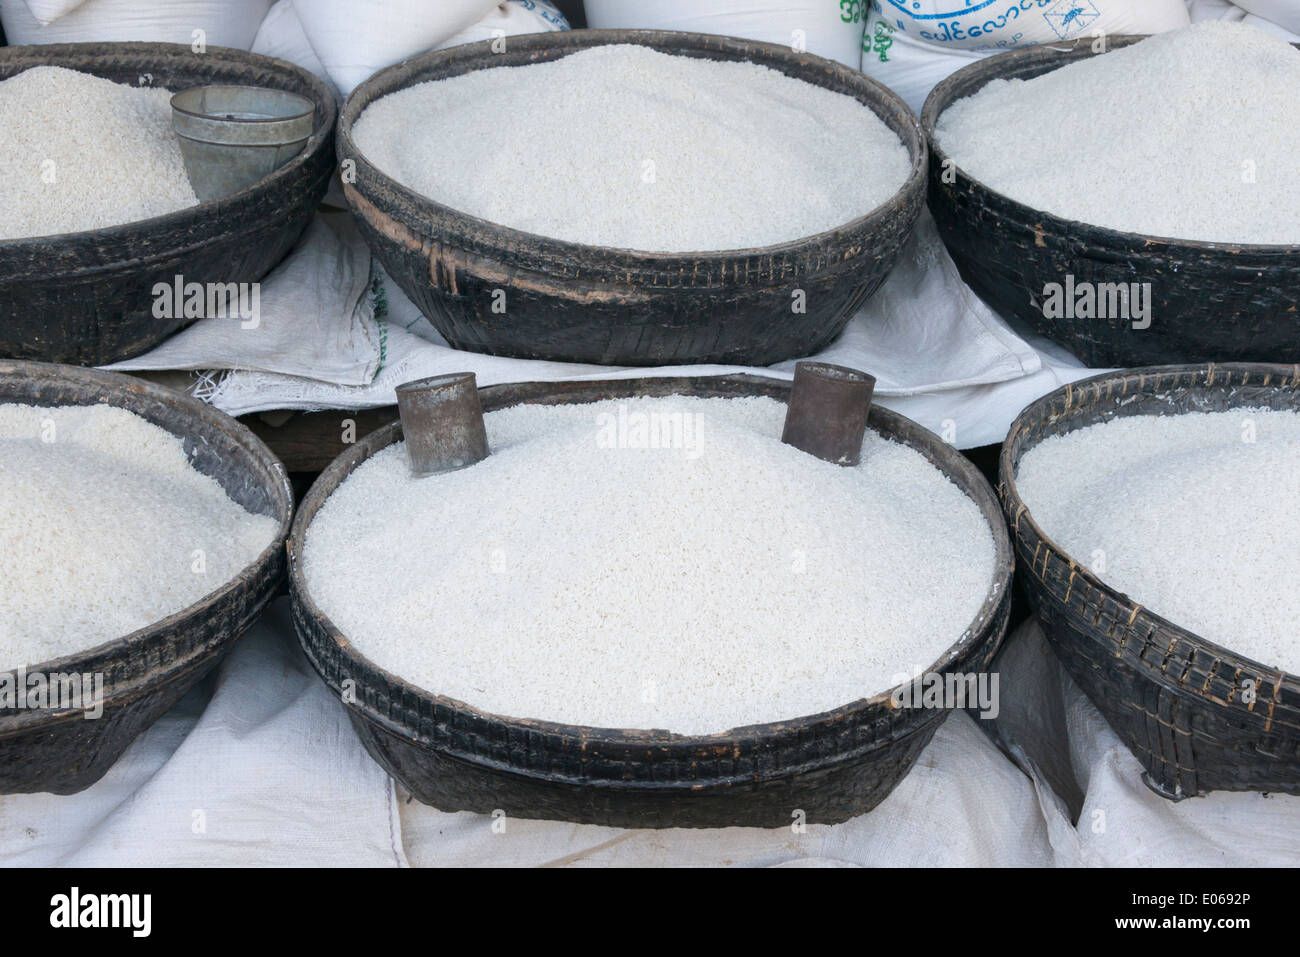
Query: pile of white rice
point(78, 152)
point(580, 574)
point(1191, 134)
point(627, 147)
point(106, 528)
point(1194, 516)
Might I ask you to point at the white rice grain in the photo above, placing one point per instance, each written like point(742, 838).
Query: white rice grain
point(105, 528)
point(1190, 134)
point(580, 577)
point(78, 152)
point(1194, 516)
point(627, 147)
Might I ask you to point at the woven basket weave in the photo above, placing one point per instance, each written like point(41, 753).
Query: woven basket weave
point(1178, 701)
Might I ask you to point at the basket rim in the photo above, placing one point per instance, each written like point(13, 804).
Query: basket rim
point(1000, 66)
point(976, 632)
point(205, 211)
point(1090, 393)
point(280, 492)
point(624, 260)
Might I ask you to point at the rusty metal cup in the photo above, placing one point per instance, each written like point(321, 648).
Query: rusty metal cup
point(442, 423)
point(827, 412)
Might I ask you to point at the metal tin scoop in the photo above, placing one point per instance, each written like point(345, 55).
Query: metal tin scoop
point(827, 412)
point(442, 417)
point(442, 423)
point(233, 136)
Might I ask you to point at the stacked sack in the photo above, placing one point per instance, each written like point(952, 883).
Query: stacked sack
point(911, 45)
point(1279, 17)
point(340, 41)
point(829, 28)
point(352, 43)
point(226, 23)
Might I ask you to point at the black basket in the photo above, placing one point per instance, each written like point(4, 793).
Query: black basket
point(455, 757)
point(87, 298)
point(1209, 301)
point(579, 303)
point(1174, 698)
point(147, 671)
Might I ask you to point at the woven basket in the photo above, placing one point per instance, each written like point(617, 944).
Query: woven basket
point(1209, 301)
point(579, 303)
point(87, 298)
point(147, 671)
point(1174, 698)
point(831, 766)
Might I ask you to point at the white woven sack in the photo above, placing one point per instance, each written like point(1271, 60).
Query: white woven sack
point(509, 19)
point(1224, 10)
point(829, 28)
point(227, 23)
point(1285, 13)
point(356, 40)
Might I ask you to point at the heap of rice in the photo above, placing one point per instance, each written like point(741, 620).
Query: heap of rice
point(1193, 516)
point(655, 563)
point(79, 152)
point(106, 528)
point(627, 147)
point(1190, 135)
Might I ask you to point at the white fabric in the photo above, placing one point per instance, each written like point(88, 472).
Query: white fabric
point(927, 331)
point(1284, 13)
point(227, 23)
point(823, 27)
point(315, 318)
point(281, 35)
point(46, 11)
point(257, 766)
point(509, 19)
point(940, 355)
point(909, 67)
point(1121, 822)
point(354, 42)
point(1287, 26)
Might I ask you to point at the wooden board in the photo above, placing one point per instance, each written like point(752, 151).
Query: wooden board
point(309, 441)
